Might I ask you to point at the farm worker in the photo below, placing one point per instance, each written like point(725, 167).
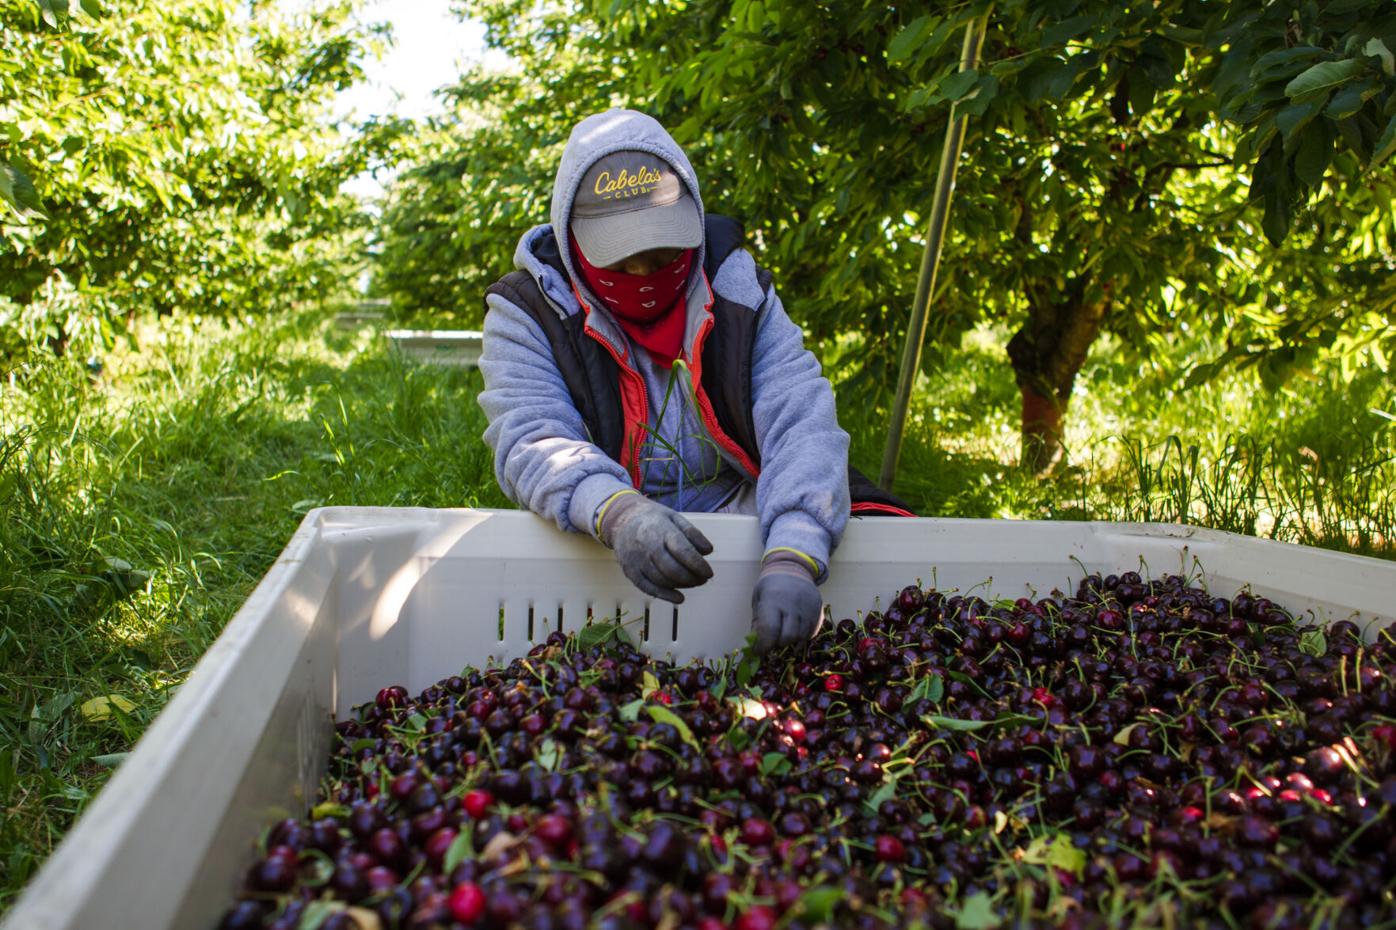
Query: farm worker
point(639, 363)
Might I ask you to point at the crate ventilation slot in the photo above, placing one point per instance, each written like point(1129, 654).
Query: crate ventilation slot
point(651, 628)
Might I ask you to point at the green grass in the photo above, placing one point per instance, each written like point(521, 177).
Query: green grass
point(141, 507)
point(1313, 464)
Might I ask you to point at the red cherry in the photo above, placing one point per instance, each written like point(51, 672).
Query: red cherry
point(553, 830)
point(1299, 781)
point(1189, 814)
point(402, 786)
point(795, 729)
point(467, 902)
point(833, 682)
point(890, 849)
point(439, 843)
point(287, 853)
point(758, 918)
point(380, 878)
point(392, 696)
point(757, 832)
point(477, 803)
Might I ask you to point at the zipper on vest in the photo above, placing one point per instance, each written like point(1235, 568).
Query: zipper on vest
point(634, 420)
point(705, 406)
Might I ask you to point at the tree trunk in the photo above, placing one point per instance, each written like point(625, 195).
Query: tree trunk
point(1046, 354)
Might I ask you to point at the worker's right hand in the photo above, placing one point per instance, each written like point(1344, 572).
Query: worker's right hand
point(785, 606)
point(658, 550)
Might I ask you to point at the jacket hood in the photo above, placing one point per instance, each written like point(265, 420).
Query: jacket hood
point(598, 136)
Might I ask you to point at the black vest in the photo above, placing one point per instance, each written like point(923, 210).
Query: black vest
point(593, 378)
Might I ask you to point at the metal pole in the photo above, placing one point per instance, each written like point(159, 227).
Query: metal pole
point(930, 261)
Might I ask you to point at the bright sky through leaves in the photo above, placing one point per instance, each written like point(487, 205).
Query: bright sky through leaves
point(430, 46)
point(429, 43)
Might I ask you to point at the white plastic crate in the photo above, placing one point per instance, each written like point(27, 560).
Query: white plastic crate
point(356, 319)
point(366, 597)
point(439, 346)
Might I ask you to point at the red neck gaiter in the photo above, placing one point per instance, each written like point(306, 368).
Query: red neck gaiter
point(649, 308)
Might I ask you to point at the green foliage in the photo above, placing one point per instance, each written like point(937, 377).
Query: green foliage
point(1314, 86)
point(1313, 89)
point(483, 175)
point(1123, 168)
point(170, 156)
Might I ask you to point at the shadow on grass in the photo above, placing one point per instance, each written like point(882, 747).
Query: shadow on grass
point(936, 483)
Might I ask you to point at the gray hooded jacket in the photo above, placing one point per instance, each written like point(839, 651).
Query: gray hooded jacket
point(543, 459)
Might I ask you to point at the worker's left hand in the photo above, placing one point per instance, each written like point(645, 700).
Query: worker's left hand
point(785, 605)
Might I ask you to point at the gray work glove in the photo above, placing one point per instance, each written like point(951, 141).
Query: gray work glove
point(785, 605)
point(657, 549)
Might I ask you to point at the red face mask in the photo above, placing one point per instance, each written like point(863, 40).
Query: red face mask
point(650, 308)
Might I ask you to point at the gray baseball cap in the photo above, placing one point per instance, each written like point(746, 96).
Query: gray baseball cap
point(629, 202)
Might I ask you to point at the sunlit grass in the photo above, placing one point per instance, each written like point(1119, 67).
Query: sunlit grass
point(141, 507)
point(1314, 463)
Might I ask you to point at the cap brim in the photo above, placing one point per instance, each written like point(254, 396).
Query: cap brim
point(605, 240)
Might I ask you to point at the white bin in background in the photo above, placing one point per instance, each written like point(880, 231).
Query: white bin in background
point(366, 597)
point(356, 319)
point(439, 346)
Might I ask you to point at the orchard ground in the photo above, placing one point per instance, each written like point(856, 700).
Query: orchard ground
point(143, 504)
